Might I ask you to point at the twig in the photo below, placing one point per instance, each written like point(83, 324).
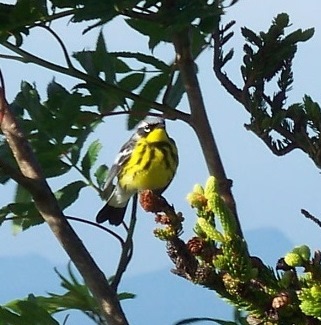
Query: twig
point(59, 15)
point(61, 43)
point(127, 251)
point(97, 225)
point(308, 215)
point(12, 57)
point(88, 222)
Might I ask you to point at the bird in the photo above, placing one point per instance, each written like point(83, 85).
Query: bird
point(147, 161)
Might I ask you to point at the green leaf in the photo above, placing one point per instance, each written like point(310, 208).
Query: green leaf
point(90, 158)
point(300, 36)
point(104, 11)
point(14, 19)
point(37, 310)
point(150, 91)
point(76, 148)
point(4, 211)
point(85, 58)
point(50, 158)
point(29, 99)
point(26, 215)
point(8, 317)
point(154, 31)
point(132, 81)
point(77, 296)
point(106, 99)
point(7, 157)
point(30, 312)
point(125, 296)
point(282, 20)
point(176, 93)
point(50, 143)
point(307, 34)
point(251, 36)
point(103, 61)
point(67, 195)
point(22, 195)
point(145, 59)
point(101, 175)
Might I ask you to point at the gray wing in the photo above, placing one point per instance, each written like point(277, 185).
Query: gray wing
point(121, 158)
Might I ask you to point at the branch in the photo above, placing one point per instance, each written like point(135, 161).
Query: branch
point(98, 225)
point(308, 215)
point(48, 207)
point(61, 44)
point(199, 120)
point(127, 251)
point(187, 265)
point(27, 57)
point(59, 15)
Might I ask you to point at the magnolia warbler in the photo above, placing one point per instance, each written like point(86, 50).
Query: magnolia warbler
point(147, 161)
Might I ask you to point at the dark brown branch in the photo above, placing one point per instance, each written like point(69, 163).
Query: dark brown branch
point(199, 120)
point(309, 216)
point(127, 251)
point(98, 225)
point(48, 207)
point(61, 44)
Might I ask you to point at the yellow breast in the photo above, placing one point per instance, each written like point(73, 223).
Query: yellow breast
point(152, 165)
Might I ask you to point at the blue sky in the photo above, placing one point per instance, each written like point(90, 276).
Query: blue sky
point(269, 190)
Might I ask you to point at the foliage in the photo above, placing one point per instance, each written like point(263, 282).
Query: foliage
point(138, 84)
point(41, 309)
point(267, 62)
point(247, 282)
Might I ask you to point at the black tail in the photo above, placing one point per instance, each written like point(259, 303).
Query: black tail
point(114, 215)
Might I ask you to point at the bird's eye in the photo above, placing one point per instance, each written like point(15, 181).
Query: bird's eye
point(147, 128)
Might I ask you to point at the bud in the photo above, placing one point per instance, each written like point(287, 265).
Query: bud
point(198, 188)
point(293, 259)
point(165, 234)
point(151, 202)
point(163, 219)
point(210, 230)
point(311, 301)
point(196, 200)
point(280, 300)
point(303, 251)
point(210, 186)
point(232, 285)
point(195, 245)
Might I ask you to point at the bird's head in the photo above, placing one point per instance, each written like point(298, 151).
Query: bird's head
point(152, 129)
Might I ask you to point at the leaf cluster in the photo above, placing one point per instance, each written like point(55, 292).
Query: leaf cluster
point(57, 130)
point(218, 259)
point(113, 78)
point(41, 309)
point(267, 61)
point(16, 19)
